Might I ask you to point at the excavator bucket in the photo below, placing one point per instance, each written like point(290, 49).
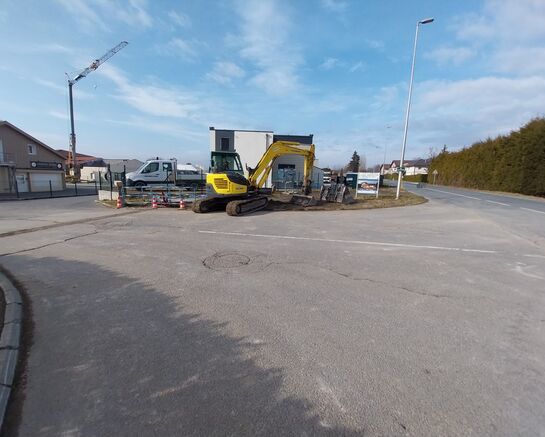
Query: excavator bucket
point(302, 200)
point(336, 192)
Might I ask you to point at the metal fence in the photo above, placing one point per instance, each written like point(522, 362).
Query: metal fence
point(71, 190)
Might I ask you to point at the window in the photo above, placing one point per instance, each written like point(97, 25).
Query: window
point(225, 162)
point(31, 148)
point(151, 167)
point(224, 144)
point(167, 166)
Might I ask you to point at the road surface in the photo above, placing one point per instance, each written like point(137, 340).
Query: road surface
point(424, 320)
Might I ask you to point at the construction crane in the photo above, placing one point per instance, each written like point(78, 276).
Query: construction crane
point(71, 82)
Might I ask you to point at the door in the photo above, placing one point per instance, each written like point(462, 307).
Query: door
point(40, 181)
point(22, 182)
point(151, 173)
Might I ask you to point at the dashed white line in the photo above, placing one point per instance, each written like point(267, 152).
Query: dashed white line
point(533, 210)
point(368, 243)
point(497, 203)
point(454, 194)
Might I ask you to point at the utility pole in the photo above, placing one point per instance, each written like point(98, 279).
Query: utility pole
point(94, 65)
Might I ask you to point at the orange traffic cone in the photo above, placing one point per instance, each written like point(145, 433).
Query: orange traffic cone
point(119, 202)
point(154, 203)
point(182, 203)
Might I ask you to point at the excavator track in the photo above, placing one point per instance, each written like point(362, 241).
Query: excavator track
point(206, 205)
point(246, 206)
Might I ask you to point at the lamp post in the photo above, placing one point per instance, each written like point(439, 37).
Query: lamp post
point(384, 159)
point(399, 175)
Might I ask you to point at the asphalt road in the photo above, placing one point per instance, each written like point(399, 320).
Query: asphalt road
point(425, 321)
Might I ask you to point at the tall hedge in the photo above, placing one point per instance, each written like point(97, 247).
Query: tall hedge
point(514, 163)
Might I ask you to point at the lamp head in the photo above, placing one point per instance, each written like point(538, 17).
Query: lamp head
point(426, 21)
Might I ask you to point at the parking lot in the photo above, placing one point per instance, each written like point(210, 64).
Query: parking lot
point(423, 320)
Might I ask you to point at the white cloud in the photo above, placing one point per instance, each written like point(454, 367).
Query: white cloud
point(168, 102)
point(520, 60)
point(454, 55)
point(386, 97)
point(374, 44)
point(337, 6)
point(360, 65)
point(151, 99)
point(461, 112)
point(135, 14)
point(182, 48)
point(329, 63)
point(264, 41)
point(94, 15)
point(61, 89)
point(179, 19)
point(84, 13)
point(59, 114)
point(36, 48)
point(226, 72)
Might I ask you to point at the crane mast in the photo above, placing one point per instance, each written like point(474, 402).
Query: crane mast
point(92, 67)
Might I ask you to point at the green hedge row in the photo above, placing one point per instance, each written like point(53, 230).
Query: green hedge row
point(513, 163)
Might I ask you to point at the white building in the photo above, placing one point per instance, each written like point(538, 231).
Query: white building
point(251, 145)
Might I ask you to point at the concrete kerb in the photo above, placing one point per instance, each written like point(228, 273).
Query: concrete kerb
point(9, 341)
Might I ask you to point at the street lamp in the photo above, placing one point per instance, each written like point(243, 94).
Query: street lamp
point(385, 149)
point(399, 175)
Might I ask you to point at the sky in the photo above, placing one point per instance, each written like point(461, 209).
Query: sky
point(338, 69)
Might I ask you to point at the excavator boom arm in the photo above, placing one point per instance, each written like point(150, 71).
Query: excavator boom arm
point(258, 175)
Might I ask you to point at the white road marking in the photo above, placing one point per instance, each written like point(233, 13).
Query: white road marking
point(497, 203)
point(533, 210)
point(454, 194)
point(520, 269)
point(535, 256)
point(369, 243)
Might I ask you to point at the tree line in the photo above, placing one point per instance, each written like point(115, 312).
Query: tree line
point(513, 163)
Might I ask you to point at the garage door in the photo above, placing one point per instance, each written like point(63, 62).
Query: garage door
point(40, 181)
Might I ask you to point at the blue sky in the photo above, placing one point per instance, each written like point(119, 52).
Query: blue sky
point(336, 68)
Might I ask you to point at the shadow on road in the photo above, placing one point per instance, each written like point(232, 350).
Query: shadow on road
point(113, 356)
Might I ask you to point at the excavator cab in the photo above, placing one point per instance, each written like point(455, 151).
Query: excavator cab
point(221, 162)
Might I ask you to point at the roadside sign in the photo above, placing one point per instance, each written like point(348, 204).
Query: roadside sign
point(435, 172)
point(368, 183)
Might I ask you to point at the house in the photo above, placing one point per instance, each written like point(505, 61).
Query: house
point(80, 158)
point(412, 167)
point(27, 164)
point(384, 169)
point(252, 144)
point(90, 170)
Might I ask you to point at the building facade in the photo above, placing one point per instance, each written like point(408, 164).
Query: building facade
point(27, 164)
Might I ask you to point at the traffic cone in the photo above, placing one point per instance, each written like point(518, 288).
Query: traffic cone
point(154, 203)
point(119, 202)
point(182, 203)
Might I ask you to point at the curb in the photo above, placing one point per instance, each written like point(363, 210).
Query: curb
point(9, 341)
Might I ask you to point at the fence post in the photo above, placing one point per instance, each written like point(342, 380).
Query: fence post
point(16, 184)
point(99, 180)
point(111, 181)
point(50, 190)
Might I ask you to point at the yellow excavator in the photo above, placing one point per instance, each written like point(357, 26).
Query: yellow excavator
point(227, 187)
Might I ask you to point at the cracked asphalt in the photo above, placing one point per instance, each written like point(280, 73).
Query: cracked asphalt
point(423, 321)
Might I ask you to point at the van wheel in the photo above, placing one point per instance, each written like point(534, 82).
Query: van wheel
point(139, 184)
